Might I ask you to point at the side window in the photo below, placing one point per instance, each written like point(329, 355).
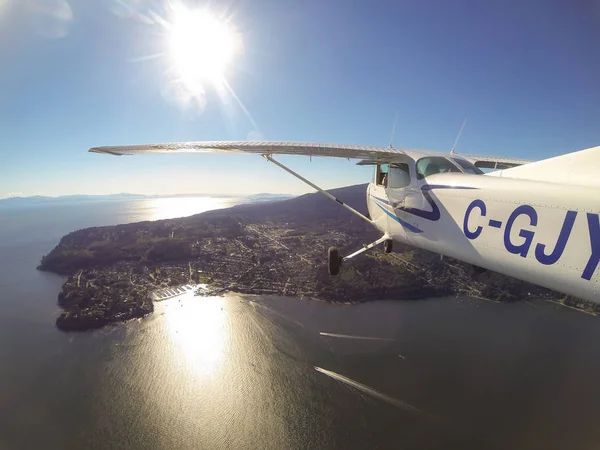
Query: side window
point(381, 175)
point(467, 167)
point(433, 165)
point(399, 175)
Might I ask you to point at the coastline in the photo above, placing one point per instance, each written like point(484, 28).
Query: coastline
point(276, 248)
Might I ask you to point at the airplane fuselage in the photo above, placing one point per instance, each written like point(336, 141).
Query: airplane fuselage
point(544, 233)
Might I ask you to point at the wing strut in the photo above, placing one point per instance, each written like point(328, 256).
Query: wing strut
point(314, 186)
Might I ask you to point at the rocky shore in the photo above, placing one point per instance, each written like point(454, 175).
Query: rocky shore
point(276, 248)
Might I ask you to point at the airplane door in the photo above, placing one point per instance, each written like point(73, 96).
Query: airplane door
point(375, 194)
point(400, 189)
point(403, 193)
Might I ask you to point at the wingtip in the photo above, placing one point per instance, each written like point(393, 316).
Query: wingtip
point(104, 150)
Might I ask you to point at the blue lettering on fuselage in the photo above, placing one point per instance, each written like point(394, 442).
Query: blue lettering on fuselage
point(594, 227)
point(521, 249)
point(541, 250)
point(561, 243)
point(474, 204)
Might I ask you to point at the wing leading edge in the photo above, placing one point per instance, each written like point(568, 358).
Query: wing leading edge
point(262, 148)
point(368, 154)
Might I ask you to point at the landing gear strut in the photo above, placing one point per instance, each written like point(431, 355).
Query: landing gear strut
point(335, 260)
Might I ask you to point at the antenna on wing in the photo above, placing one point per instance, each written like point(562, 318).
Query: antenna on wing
point(393, 130)
point(458, 137)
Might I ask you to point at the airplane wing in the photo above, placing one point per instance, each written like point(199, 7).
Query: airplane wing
point(494, 162)
point(366, 152)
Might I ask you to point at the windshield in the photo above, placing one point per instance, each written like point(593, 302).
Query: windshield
point(434, 165)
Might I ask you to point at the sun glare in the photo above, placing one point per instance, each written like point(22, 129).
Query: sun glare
point(201, 46)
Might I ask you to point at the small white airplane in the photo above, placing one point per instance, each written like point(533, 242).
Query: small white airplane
point(535, 221)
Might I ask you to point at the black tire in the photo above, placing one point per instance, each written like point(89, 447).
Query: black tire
point(388, 246)
point(334, 261)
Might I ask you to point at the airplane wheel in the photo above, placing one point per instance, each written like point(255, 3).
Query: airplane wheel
point(335, 261)
point(388, 246)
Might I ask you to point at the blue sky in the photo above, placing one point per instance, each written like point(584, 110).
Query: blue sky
point(74, 74)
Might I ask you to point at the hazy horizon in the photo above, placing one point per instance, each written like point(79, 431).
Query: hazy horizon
point(126, 194)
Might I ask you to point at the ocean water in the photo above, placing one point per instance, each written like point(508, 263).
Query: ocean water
point(270, 372)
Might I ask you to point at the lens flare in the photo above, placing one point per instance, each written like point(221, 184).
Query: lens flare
point(50, 18)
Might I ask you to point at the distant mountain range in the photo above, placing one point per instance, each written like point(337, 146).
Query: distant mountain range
point(268, 197)
point(40, 199)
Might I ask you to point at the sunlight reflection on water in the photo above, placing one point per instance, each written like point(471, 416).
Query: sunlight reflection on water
point(171, 207)
point(200, 330)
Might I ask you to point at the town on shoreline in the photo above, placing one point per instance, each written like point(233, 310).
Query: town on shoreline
point(275, 248)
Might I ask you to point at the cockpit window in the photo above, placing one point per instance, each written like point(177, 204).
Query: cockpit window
point(434, 164)
point(467, 167)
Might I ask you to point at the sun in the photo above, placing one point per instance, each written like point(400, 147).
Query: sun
point(201, 46)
